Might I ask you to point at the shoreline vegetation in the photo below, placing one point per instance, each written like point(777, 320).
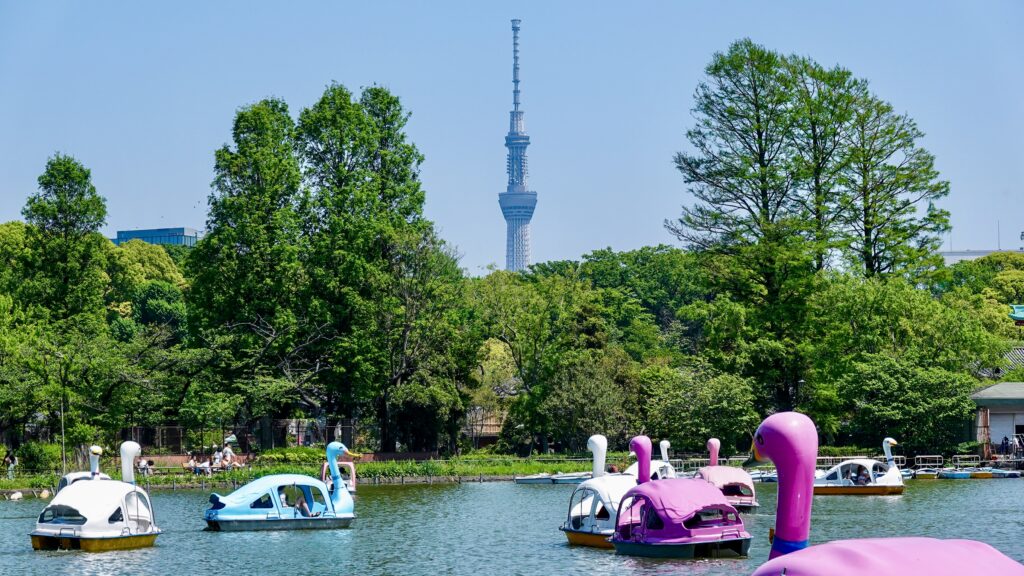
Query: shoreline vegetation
point(470, 468)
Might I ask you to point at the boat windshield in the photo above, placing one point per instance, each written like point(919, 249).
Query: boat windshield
point(61, 514)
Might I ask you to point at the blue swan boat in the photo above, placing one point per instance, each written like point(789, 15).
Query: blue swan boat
point(285, 502)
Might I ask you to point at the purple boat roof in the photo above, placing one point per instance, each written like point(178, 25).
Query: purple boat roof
point(724, 475)
point(677, 499)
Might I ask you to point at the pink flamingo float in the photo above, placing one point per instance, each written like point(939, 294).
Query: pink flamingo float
point(790, 440)
point(675, 517)
point(735, 483)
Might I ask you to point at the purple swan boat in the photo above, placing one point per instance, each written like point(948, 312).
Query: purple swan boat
point(676, 517)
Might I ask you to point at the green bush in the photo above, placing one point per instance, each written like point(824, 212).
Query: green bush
point(39, 457)
point(294, 455)
point(840, 451)
point(971, 447)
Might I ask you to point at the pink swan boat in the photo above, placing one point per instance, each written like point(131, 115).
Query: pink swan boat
point(790, 440)
point(675, 517)
point(735, 483)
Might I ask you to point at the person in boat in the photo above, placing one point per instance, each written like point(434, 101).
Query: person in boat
point(300, 503)
point(863, 478)
point(613, 469)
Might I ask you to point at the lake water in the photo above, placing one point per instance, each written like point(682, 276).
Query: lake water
point(498, 528)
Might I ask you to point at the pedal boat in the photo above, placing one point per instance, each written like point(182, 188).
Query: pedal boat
point(954, 474)
point(927, 467)
point(594, 504)
point(676, 518)
point(258, 505)
point(982, 472)
point(735, 483)
point(884, 478)
point(99, 515)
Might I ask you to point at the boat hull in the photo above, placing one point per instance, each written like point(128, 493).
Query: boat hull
point(317, 523)
point(592, 539)
point(857, 490)
point(535, 479)
point(50, 542)
point(981, 475)
point(751, 507)
point(954, 475)
point(925, 475)
point(570, 478)
point(715, 549)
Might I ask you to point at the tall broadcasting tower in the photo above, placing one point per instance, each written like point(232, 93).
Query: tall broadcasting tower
point(517, 203)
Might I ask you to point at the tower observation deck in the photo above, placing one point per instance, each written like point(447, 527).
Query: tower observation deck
point(517, 202)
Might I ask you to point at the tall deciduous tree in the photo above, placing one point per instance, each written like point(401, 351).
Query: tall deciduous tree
point(823, 108)
point(377, 270)
point(890, 176)
point(248, 294)
point(65, 271)
point(747, 206)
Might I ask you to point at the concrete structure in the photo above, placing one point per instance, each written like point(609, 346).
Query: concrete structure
point(517, 203)
point(174, 236)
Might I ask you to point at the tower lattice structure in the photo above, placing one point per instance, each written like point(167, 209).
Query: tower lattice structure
point(517, 202)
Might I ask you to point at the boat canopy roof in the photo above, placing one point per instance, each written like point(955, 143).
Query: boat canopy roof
point(725, 475)
point(72, 477)
point(246, 494)
point(865, 462)
point(98, 500)
point(609, 488)
point(677, 499)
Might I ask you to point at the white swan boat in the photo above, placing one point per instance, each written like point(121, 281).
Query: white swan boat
point(99, 515)
point(595, 502)
point(862, 476)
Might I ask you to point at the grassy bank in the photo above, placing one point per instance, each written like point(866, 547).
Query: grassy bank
point(470, 467)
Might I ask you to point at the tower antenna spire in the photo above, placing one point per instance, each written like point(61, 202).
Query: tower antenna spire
point(515, 64)
point(517, 202)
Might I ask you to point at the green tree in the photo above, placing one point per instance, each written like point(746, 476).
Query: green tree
point(65, 272)
point(367, 205)
point(926, 409)
point(692, 404)
point(249, 290)
point(890, 176)
point(823, 109)
point(584, 400)
point(14, 253)
point(747, 205)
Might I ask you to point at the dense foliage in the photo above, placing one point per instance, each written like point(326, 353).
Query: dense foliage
point(808, 279)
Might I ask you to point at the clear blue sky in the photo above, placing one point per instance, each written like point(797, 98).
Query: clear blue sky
point(143, 93)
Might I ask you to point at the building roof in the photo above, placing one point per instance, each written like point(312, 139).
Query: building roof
point(1002, 394)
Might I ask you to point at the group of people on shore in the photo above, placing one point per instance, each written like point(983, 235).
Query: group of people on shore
point(221, 459)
